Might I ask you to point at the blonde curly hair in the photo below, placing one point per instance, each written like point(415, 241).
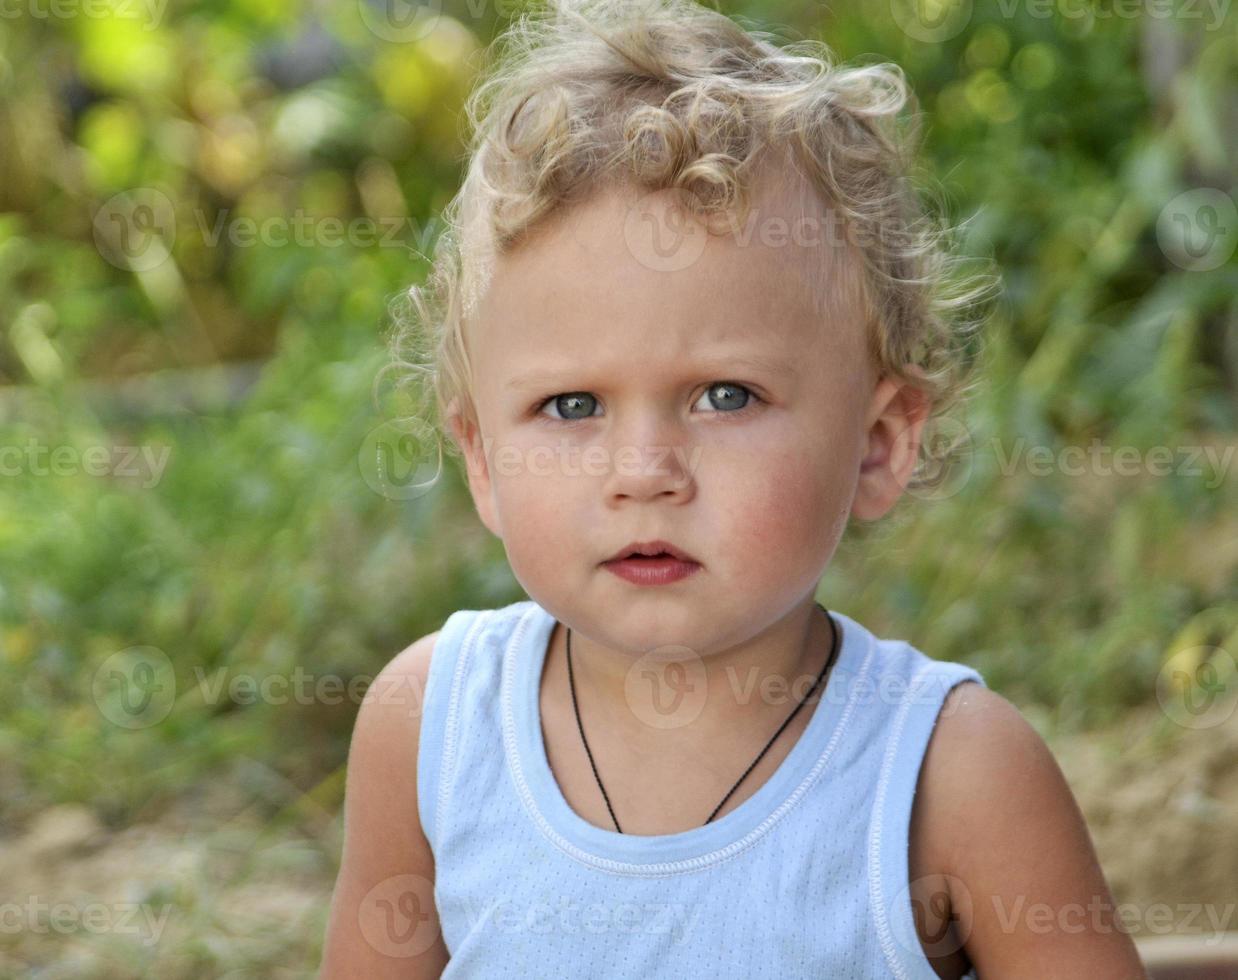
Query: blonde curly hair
point(669, 94)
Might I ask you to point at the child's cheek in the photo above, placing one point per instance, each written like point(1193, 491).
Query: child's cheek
point(778, 518)
point(538, 509)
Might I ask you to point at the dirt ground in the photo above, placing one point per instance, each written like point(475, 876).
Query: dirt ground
point(1161, 801)
point(213, 888)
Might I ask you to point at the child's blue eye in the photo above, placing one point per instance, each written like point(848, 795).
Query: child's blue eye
point(731, 392)
point(570, 403)
point(576, 406)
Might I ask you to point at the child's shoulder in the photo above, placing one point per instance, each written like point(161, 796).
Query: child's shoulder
point(383, 837)
point(397, 693)
point(998, 819)
point(412, 663)
point(981, 745)
point(390, 712)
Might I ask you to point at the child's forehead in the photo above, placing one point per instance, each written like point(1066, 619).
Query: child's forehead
point(625, 248)
point(784, 215)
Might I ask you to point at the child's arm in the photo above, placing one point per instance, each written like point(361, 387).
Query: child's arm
point(1032, 900)
point(383, 922)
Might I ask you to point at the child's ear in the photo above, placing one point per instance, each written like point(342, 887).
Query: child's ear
point(466, 433)
point(895, 420)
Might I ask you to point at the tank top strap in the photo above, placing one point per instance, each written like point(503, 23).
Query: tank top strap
point(457, 664)
point(914, 718)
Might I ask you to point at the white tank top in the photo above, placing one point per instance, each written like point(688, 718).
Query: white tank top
point(808, 877)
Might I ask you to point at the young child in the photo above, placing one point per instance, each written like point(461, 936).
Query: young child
point(689, 311)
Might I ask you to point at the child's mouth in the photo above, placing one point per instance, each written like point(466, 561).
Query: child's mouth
point(659, 569)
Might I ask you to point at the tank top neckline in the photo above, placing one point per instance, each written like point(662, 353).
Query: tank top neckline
point(688, 849)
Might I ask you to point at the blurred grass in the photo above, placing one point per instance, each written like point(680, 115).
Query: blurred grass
point(262, 548)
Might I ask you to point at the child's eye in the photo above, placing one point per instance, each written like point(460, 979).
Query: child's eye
point(731, 392)
point(576, 406)
point(569, 404)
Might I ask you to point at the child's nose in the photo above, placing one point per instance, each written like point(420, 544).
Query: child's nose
point(648, 471)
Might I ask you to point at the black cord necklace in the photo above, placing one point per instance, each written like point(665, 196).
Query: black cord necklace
point(572, 684)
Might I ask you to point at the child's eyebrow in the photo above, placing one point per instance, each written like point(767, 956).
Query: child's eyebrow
point(720, 365)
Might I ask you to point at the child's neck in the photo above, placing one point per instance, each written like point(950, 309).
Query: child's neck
point(751, 687)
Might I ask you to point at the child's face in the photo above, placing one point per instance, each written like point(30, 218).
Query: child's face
point(756, 483)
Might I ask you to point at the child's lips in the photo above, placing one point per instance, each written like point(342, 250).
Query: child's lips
point(652, 549)
point(651, 570)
